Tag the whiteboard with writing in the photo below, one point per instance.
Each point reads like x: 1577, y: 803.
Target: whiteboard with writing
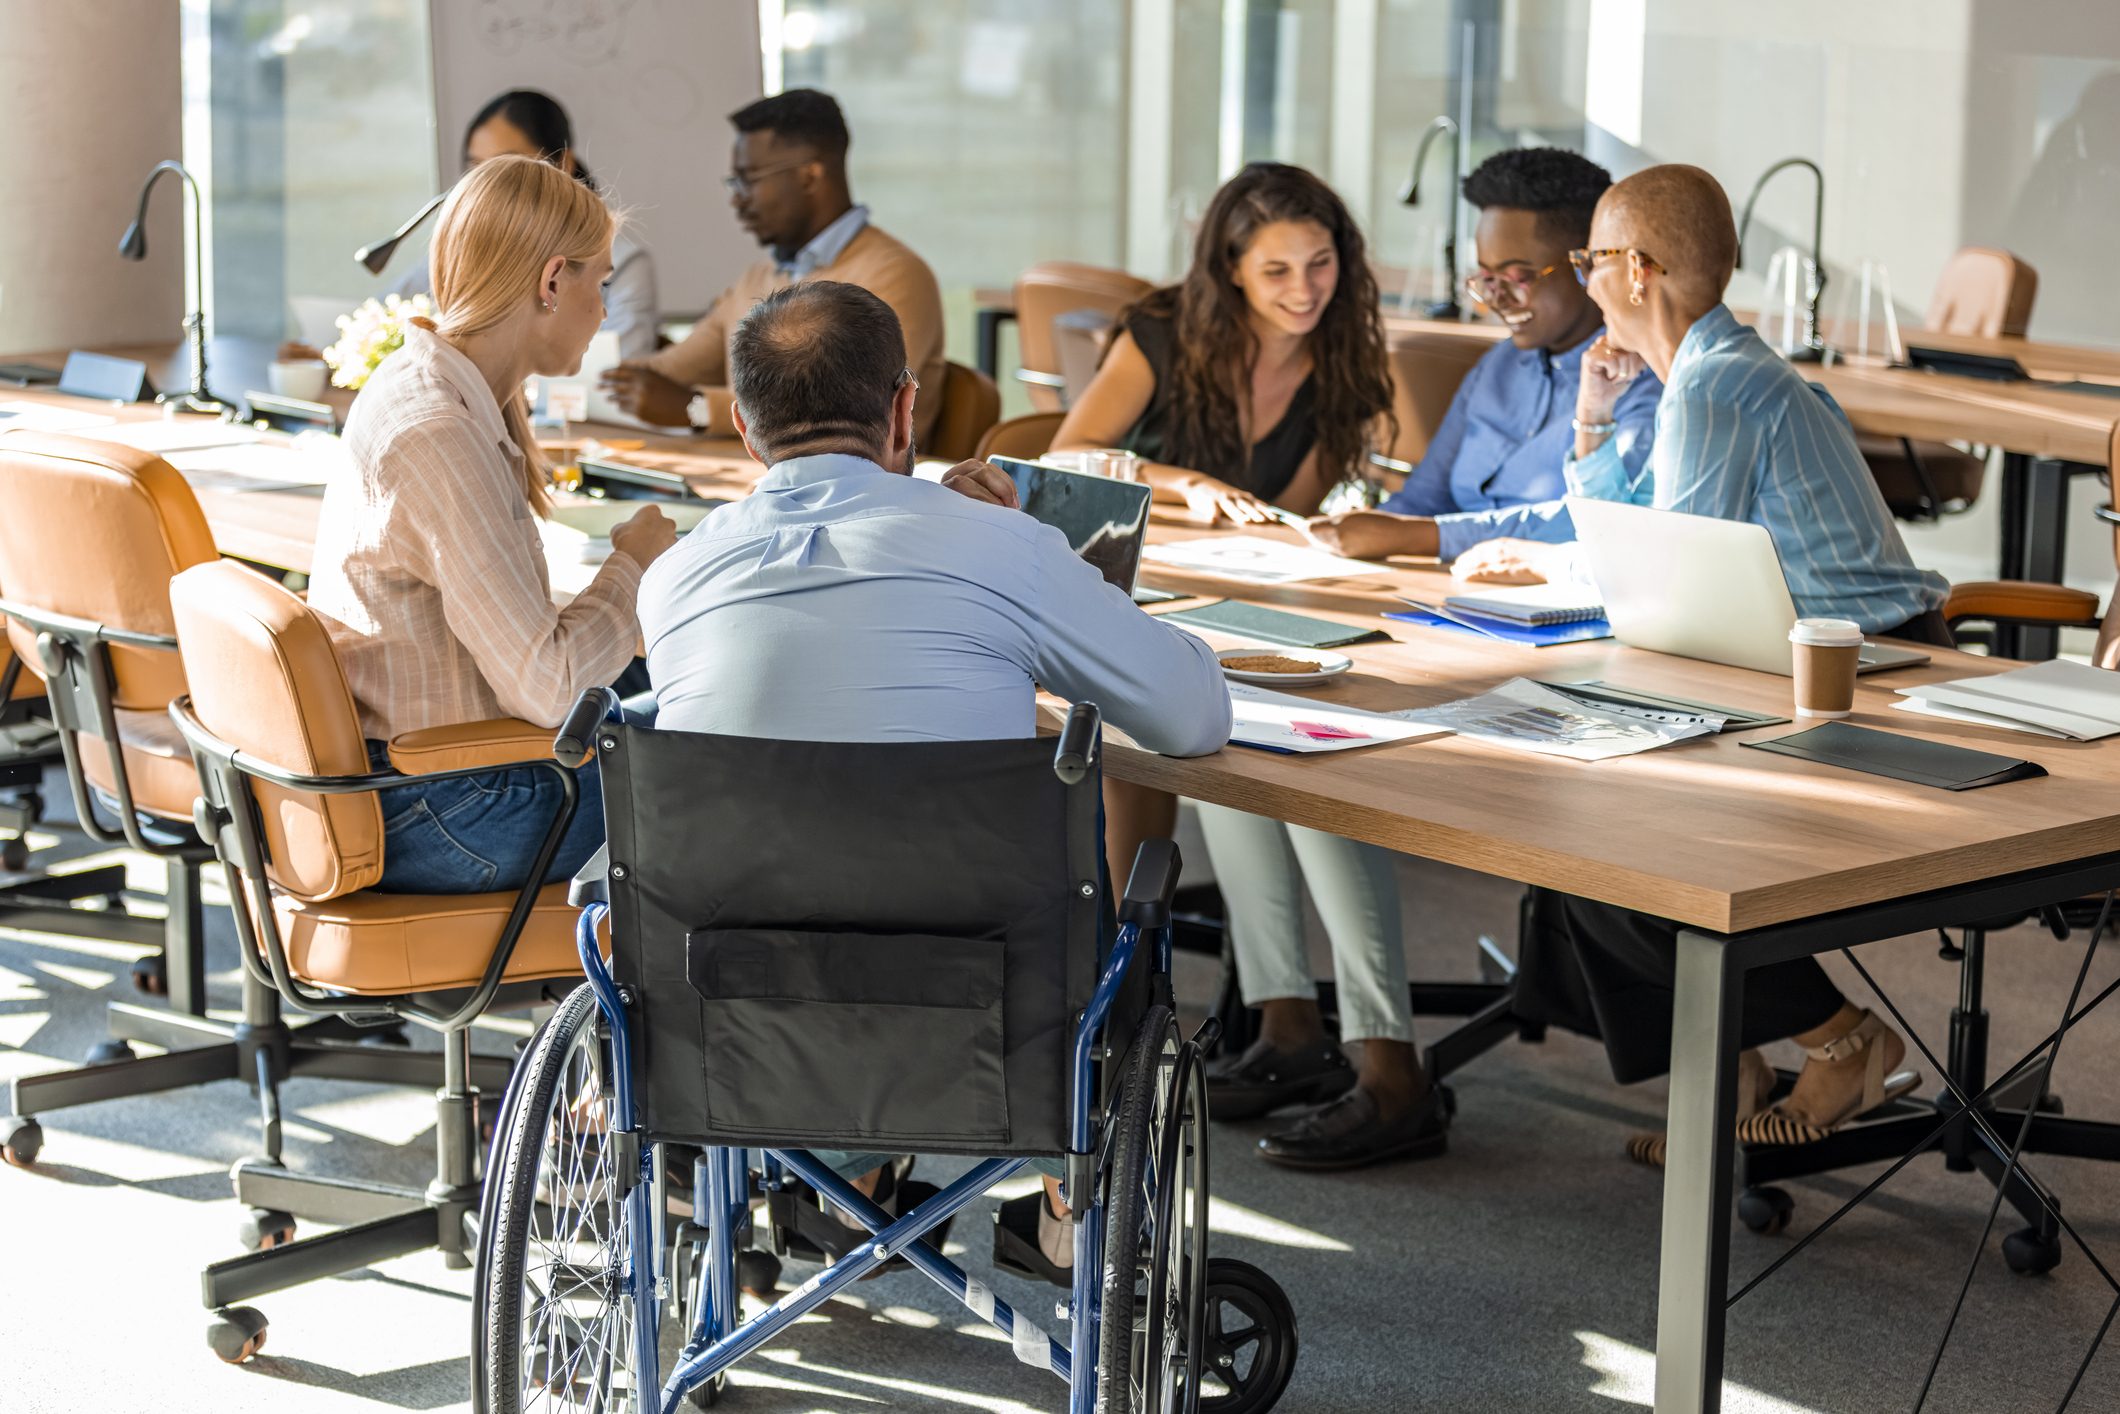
x: 649, y: 85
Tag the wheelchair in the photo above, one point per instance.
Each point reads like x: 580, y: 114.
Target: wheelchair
x: 959, y: 990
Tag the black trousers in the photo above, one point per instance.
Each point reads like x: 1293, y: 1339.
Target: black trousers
x: 1609, y: 973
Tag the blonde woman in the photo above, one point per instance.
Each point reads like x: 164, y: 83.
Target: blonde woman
x: 430, y: 573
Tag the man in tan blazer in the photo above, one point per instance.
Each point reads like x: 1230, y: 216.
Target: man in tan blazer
x: 788, y: 183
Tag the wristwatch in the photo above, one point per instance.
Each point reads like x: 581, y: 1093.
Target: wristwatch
x: 699, y: 412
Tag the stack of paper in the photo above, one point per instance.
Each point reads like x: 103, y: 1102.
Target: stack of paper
x: 2072, y: 701
x: 44, y: 417
x: 580, y: 531
x: 1277, y: 721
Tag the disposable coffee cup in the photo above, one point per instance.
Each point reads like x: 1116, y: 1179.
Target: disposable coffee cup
x: 1825, y: 653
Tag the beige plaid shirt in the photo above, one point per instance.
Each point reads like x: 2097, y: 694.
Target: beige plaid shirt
x: 430, y: 574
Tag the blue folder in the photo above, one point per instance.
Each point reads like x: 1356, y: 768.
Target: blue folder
x: 1509, y: 631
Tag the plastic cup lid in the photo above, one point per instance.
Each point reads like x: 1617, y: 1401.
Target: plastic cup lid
x: 1826, y: 633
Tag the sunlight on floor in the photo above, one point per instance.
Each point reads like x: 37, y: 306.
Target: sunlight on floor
x: 793, y: 1360
x: 1236, y: 1220
x: 1627, y: 1373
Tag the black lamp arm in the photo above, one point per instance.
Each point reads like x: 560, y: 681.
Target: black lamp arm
x: 1817, y: 288
x: 1411, y: 196
x: 134, y: 247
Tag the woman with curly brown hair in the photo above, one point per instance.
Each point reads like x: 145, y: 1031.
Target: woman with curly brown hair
x: 1257, y: 385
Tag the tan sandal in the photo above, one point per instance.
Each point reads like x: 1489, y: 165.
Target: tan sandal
x: 1755, y: 1086
x: 1776, y: 1127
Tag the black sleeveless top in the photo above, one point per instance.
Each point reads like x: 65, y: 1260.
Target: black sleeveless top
x: 1275, y: 458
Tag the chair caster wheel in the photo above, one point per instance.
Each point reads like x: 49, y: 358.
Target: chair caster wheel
x: 14, y: 855
x: 757, y: 1273
x: 236, y: 1333
x: 110, y: 1052
x: 20, y: 1141
x: 709, y: 1394
x: 2029, y: 1254
x: 151, y: 975
x: 263, y: 1229
x: 1765, y: 1210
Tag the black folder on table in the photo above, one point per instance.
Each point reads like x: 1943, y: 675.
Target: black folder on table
x: 1233, y: 616
x: 1903, y: 758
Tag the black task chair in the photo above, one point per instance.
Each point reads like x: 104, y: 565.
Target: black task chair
x: 1942, y: 1125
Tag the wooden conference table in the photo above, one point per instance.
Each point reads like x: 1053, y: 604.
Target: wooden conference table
x: 1760, y: 857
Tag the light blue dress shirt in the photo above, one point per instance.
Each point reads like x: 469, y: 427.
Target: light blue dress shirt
x: 1494, y: 468
x: 824, y: 247
x: 1741, y: 435
x: 842, y: 602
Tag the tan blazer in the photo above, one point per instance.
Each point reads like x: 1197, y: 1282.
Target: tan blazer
x: 874, y: 260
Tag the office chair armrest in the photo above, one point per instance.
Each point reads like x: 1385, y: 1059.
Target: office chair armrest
x: 2021, y: 602
x: 505, y: 741
x: 1152, y: 884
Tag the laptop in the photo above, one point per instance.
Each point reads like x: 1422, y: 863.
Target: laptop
x: 1105, y: 521
x: 1698, y: 587
x: 584, y: 390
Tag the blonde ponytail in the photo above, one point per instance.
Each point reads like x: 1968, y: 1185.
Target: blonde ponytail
x: 504, y: 221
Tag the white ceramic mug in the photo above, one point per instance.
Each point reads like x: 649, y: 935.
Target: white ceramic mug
x: 301, y: 378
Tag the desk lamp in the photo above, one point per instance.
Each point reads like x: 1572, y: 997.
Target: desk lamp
x: 1814, y: 347
x: 133, y: 246
x: 376, y: 256
x: 1446, y: 307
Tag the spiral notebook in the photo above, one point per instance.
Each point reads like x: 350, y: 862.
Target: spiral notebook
x: 1533, y: 604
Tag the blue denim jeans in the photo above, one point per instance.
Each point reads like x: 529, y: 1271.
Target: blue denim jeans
x: 479, y: 834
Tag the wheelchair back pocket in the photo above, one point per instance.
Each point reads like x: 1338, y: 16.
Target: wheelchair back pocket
x: 849, y: 1039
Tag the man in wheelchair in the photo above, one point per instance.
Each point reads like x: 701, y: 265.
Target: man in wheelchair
x: 857, y: 911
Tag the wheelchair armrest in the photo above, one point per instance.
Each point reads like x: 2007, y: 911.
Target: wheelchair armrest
x: 591, y: 884
x: 575, y: 741
x: 505, y: 741
x: 1152, y: 884
x: 1077, y: 751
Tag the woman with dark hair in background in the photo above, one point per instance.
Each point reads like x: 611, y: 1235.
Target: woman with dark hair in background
x: 525, y: 123
x: 1252, y: 389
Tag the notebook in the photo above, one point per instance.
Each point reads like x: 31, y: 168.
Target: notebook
x: 1270, y: 625
x: 1532, y: 604
x: 1903, y: 758
x: 1505, y: 630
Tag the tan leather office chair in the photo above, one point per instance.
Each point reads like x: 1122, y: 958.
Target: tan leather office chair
x: 1984, y: 293
x: 1426, y: 371
x: 1029, y: 436
x: 92, y: 535
x: 288, y: 803
x: 971, y: 404
x: 1048, y: 290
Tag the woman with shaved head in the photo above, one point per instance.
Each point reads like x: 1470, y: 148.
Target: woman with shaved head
x: 1739, y: 435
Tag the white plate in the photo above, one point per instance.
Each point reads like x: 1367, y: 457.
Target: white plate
x: 1329, y: 665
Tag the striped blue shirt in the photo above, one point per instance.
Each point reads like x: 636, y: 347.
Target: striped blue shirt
x: 1742, y: 436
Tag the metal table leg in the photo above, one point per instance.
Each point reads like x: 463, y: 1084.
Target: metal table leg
x: 2046, y: 489
x: 986, y: 326
x: 1695, y: 1273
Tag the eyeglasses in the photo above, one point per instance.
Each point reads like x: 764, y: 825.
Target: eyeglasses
x: 741, y: 183
x: 905, y: 376
x: 1585, y: 261
x: 1490, y: 287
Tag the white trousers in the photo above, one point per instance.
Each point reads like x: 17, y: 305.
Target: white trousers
x: 1261, y: 866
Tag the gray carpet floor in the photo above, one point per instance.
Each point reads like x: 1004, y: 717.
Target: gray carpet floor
x: 1518, y: 1273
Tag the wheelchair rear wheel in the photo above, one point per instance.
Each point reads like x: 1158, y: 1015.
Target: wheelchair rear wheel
x: 1155, y: 1227
x: 558, y: 1323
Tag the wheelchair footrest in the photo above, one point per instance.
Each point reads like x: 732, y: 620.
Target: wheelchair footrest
x: 1016, y: 1248
x: 803, y: 1227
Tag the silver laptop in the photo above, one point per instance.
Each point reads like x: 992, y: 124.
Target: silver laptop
x: 1698, y: 587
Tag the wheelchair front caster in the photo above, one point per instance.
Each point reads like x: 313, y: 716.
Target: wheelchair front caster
x: 2029, y: 1253
x: 708, y: 1395
x: 110, y: 1052
x: 150, y: 974
x: 1765, y: 1210
x: 1248, y: 1341
x: 21, y: 1140
x: 263, y: 1229
x: 236, y: 1333
x: 14, y: 855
